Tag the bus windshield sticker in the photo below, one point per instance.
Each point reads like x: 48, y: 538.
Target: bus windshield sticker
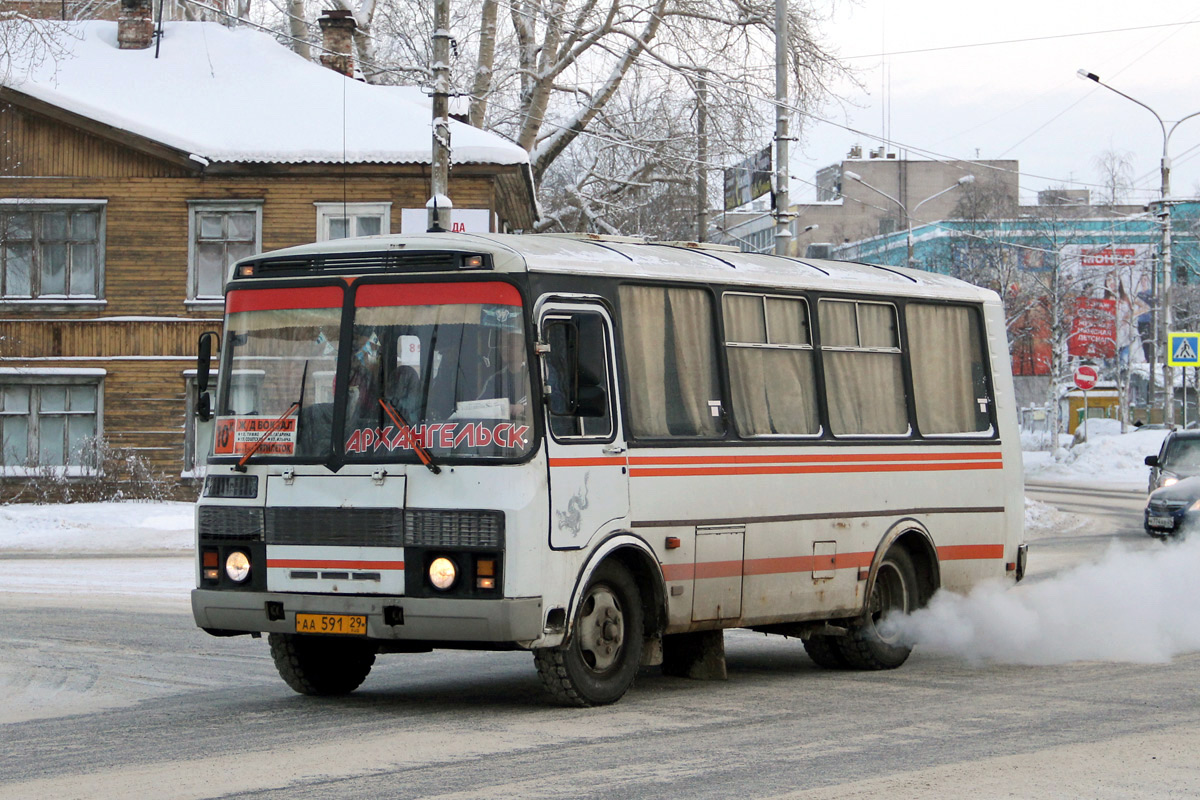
x: 447, y: 436
x: 236, y: 435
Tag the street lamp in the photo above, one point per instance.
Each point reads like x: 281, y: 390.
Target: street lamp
x: 1164, y: 301
x: 965, y: 179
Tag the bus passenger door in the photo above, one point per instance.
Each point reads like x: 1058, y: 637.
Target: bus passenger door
x: 589, y: 487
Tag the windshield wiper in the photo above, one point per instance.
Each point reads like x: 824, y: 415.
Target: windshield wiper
x: 293, y: 408
x: 412, y: 438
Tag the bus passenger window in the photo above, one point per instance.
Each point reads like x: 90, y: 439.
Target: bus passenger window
x: 864, y: 384
x: 671, y: 362
x: 577, y: 371
x: 771, y: 370
x: 947, y: 369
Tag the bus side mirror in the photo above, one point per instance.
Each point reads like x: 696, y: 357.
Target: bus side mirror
x: 1151, y: 461
x: 204, y: 351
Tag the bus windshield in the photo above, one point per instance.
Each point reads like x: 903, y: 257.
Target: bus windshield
x: 442, y: 364
x: 282, y: 348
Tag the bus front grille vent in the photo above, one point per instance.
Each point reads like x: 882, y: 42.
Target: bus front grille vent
x: 226, y: 523
x: 351, y: 527
x: 428, y: 528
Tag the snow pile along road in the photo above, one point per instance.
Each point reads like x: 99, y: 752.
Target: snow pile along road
x: 98, y: 529
x: 1119, y: 459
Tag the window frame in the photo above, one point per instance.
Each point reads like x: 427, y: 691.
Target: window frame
x: 39, y: 206
x: 894, y: 304
x: 818, y: 397
x: 197, y: 207
x: 35, y: 380
x: 556, y: 315
x: 327, y: 212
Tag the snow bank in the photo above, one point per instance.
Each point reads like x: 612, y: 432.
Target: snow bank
x: 1118, y: 459
x: 97, y: 528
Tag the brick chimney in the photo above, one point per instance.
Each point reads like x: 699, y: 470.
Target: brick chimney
x: 135, y: 28
x: 337, y: 37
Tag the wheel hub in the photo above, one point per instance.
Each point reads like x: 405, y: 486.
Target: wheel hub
x: 601, y: 629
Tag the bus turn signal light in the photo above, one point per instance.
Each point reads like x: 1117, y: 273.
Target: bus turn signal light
x: 672, y: 542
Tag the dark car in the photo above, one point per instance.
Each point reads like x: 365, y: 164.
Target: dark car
x: 1179, y: 457
x: 1172, y: 509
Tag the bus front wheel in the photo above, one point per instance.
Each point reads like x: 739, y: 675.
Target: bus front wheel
x: 600, y: 659
x: 321, y: 665
x: 869, y: 644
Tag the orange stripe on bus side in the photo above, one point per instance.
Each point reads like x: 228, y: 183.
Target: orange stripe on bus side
x: 667, y: 472
x: 962, y: 552
x: 797, y: 564
x: 711, y: 460
x: 304, y: 563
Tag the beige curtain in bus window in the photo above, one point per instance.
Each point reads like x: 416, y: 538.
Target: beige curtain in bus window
x: 790, y: 379
x: 864, y: 390
x: 745, y: 324
x: 945, y: 353
x: 643, y: 323
x: 838, y: 328
x: 695, y: 359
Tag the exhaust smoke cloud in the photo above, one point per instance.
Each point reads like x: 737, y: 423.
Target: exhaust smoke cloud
x: 1129, y: 607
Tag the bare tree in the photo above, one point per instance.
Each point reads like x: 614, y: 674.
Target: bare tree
x: 1115, y: 169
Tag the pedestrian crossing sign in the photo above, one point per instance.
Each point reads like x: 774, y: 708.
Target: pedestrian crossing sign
x: 1183, y: 349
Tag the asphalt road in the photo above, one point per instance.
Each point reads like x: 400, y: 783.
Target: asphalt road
x: 114, y: 699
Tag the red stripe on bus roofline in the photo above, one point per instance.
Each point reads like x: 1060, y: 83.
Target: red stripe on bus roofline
x: 282, y: 299
x: 436, y: 294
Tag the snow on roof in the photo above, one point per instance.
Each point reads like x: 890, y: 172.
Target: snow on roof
x: 235, y: 95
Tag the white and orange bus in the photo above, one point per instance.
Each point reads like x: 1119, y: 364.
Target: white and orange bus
x: 604, y: 451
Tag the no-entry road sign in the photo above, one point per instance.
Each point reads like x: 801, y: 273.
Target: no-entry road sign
x: 1086, y: 377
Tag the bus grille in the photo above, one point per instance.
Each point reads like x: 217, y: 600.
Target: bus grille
x: 356, y: 527
x: 426, y: 528
x: 222, y: 523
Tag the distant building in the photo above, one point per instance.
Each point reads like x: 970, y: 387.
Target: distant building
x: 134, y: 176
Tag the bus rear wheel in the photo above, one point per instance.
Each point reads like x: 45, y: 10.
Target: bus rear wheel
x: 321, y: 665
x: 825, y: 651
x: 867, y: 646
x: 598, y: 663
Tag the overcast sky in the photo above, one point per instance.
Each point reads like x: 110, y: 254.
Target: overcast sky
x: 1018, y: 98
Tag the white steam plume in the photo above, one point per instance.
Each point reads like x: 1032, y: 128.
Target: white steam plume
x: 1133, y: 607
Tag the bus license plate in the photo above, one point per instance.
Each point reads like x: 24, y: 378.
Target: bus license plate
x: 1162, y: 522
x: 331, y: 623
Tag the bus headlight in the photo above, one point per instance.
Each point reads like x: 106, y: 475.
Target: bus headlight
x: 442, y: 573
x: 237, y: 566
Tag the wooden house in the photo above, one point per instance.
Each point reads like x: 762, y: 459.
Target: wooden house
x: 133, y: 172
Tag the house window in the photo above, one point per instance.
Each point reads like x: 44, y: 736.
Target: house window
x: 350, y: 220
x: 220, y: 234
x: 52, y: 250
x: 51, y: 424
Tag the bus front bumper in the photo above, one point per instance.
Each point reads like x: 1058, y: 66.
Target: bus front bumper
x: 429, y: 619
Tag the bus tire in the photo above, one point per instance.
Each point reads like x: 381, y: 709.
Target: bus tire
x: 599, y: 661
x: 824, y: 651
x: 319, y: 665
x: 894, y: 591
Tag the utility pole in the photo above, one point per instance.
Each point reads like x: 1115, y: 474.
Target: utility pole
x: 439, y: 205
x: 702, y: 159
x: 783, y: 233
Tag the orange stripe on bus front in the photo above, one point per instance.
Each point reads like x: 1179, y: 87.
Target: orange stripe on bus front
x: 304, y: 563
